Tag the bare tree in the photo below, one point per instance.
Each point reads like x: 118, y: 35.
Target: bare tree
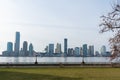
x: 111, y: 22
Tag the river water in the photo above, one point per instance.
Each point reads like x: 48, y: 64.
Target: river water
x: 46, y: 60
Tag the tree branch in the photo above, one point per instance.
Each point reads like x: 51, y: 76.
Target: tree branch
x: 115, y: 27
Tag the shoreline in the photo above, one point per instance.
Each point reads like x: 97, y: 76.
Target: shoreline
x: 59, y: 65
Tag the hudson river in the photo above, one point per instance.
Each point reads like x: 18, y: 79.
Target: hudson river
x: 46, y: 60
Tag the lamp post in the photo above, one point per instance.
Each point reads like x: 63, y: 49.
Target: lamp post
x: 83, y: 62
x: 36, y: 59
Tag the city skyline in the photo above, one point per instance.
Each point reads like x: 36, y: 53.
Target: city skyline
x: 42, y: 22
x: 51, y: 50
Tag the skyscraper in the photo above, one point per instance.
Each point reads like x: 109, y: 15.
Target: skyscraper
x: 85, y: 50
x: 17, y: 44
x: 30, y: 49
x: 25, y: 45
x: 91, y: 51
x: 70, y: 52
x: 65, y: 47
x: 77, y: 51
x: 81, y: 51
x: 58, y: 48
x: 9, y: 47
x: 51, y: 49
x: 103, y: 50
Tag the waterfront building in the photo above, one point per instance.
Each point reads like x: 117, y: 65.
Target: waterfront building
x: 17, y: 44
x: 9, y: 47
x: 85, y: 50
x: 77, y: 51
x: 58, y: 48
x: 51, y: 49
x: 91, y: 51
x: 9, y: 51
x: 31, y: 49
x: 81, y: 51
x: 103, y: 50
x: 25, y: 47
x: 21, y: 53
x: 65, y: 47
x: 5, y: 53
x: 70, y: 52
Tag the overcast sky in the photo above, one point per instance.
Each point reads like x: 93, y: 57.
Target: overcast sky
x: 50, y: 21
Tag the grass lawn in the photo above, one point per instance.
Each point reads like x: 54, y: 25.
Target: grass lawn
x: 59, y: 73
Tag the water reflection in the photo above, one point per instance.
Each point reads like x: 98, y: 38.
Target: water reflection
x: 45, y: 60
x: 16, y: 60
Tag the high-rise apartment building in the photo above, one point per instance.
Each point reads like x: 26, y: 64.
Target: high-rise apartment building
x: 9, y: 47
x: 65, y: 47
x: 25, y: 47
x: 85, y: 50
x: 70, y: 52
x: 51, y: 49
x: 17, y: 44
x: 77, y: 51
x: 103, y: 50
x: 58, y: 48
x: 31, y: 49
x: 91, y: 51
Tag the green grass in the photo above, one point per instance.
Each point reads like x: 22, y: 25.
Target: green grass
x: 59, y: 73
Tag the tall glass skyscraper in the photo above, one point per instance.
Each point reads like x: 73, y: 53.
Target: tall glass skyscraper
x: 10, y: 47
x: 65, y: 47
x: 103, y: 50
x: 31, y: 49
x: 17, y: 44
x: 25, y: 46
x: 91, y: 51
x: 51, y: 49
x: 77, y: 51
x: 85, y: 50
